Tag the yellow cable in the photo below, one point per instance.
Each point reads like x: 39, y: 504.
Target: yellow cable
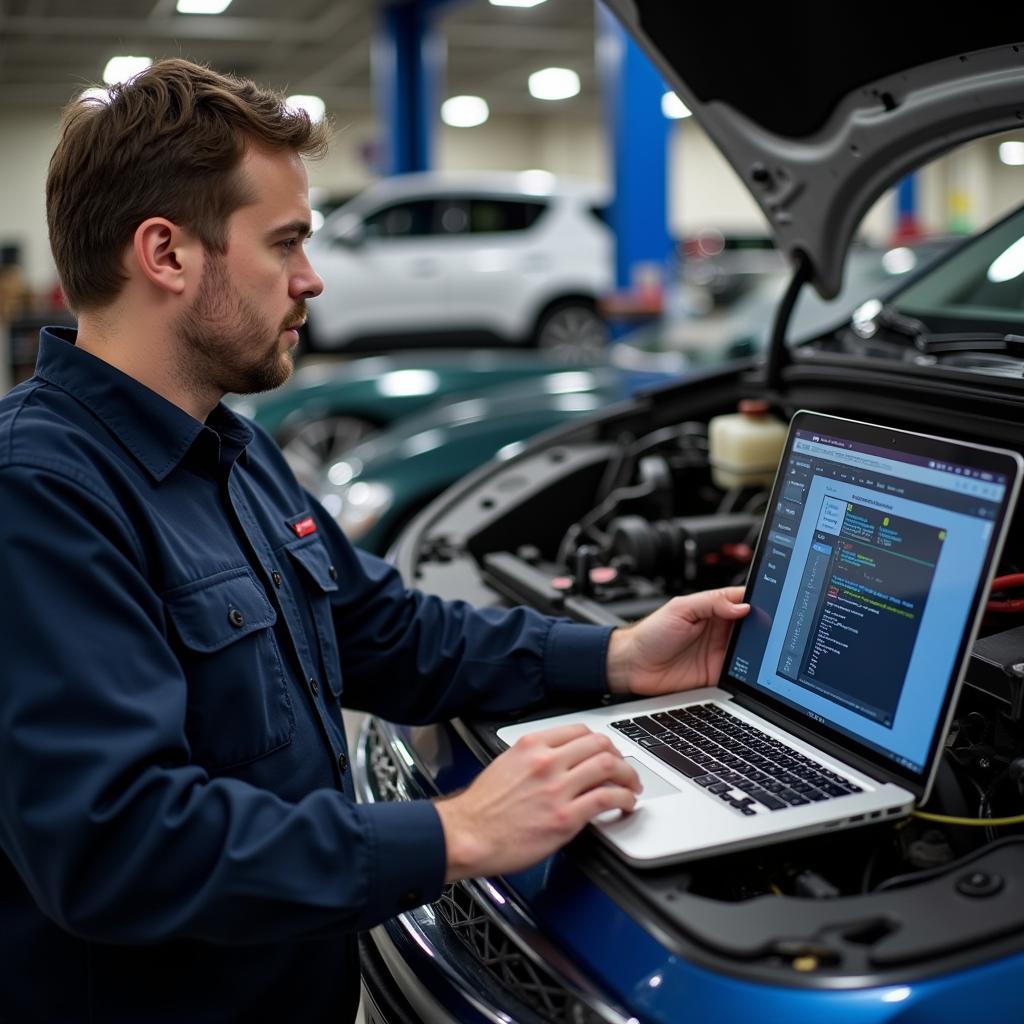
x: 946, y: 819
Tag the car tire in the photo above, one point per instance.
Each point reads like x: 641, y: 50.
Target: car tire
x: 311, y: 446
x: 572, y: 330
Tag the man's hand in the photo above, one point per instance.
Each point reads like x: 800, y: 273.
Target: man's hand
x: 532, y: 800
x: 678, y: 647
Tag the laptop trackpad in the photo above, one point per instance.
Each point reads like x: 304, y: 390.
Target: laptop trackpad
x: 654, y: 785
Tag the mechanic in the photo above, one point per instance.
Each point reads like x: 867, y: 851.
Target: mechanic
x: 181, y: 622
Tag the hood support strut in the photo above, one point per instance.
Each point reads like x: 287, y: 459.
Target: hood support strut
x: 778, y: 352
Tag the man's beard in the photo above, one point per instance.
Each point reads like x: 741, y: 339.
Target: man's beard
x: 228, y: 345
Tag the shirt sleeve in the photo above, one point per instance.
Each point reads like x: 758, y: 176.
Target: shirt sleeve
x: 118, y: 837
x: 413, y: 657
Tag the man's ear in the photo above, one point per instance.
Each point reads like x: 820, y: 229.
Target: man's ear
x: 166, y: 255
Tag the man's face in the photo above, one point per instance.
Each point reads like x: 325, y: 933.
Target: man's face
x: 239, y: 332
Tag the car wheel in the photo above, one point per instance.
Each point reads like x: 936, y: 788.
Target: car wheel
x: 573, y: 330
x: 313, y: 445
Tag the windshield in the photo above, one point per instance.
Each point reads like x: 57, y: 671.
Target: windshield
x: 980, y: 287
x: 745, y: 327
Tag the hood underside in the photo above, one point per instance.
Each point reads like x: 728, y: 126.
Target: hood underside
x: 820, y: 107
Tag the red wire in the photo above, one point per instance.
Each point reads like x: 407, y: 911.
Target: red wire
x: 1009, y: 605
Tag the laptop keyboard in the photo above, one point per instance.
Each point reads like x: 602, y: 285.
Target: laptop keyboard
x: 734, y: 761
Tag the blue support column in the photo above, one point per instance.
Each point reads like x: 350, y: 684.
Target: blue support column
x: 631, y: 90
x: 908, y: 226
x: 408, y: 60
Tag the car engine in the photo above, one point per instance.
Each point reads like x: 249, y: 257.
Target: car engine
x: 604, y: 523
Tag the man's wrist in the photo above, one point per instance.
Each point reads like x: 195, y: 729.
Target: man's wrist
x: 618, y: 671
x: 462, y: 850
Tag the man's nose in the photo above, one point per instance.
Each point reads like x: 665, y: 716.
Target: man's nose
x: 307, y: 283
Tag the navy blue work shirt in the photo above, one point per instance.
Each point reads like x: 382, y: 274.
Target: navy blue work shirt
x: 179, y: 624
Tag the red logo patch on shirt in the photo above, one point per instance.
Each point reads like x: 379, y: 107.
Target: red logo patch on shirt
x: 304, y: 527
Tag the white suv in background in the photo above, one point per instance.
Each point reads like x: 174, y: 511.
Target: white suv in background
x: 495, y: 258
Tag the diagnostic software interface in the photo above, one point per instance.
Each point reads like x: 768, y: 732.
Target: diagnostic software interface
x: 863, y: 588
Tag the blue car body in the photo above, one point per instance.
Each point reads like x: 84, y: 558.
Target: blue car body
x: 569, y: 947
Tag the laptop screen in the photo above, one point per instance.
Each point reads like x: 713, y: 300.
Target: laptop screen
x: 867, y: 577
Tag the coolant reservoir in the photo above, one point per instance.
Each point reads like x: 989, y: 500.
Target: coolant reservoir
x: 744, y: 447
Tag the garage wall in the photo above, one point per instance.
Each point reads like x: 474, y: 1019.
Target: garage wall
x: 569, y: 146
x: 707, y: 192
x: 28, y: 141
x: 344, y: 170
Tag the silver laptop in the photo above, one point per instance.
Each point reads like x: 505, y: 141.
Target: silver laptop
x: 867, y: 587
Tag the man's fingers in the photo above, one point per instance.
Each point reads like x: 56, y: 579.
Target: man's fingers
x: 557, y: 736
x: 603, y: 768
x: 604, y: 798
x: 565, y: 747
x: 724, y: 603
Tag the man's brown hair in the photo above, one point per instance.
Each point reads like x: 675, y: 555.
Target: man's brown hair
x: 167, y: 143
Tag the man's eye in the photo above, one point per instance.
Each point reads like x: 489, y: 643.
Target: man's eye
x: 290, y: 243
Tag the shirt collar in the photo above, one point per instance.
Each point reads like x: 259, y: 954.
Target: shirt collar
x: 157, y: 432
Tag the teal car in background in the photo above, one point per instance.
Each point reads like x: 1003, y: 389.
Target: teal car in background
x: 377, y: 486
x: 328, y: 406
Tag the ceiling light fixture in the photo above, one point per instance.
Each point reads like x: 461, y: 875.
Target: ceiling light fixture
x: 673, y: 107
x: 121, y: 69
x: 1012, y: 153
x: 516, y: 3
x: 203, y: 6
x: 554, y: 84
x: 465, y: 111
x: 312, y: 105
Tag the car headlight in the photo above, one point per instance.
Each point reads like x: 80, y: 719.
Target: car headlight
x: 357, y: 507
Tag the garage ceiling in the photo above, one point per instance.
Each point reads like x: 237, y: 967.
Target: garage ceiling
x: 51, y: 48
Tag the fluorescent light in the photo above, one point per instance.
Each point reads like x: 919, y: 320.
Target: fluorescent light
x: 554, y: 84
x: 312, y: 105
x: 1012, y: 153
x: 121, y: 69
x: 672, y: 106
x: 465, y: 111
x: 516, y: 3
x: 203, y: 6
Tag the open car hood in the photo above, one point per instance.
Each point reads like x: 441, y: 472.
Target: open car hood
x: 820, y: 108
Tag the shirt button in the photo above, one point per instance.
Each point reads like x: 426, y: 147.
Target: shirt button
x: 342, y: 763
x: 314, y: 687
x: 332, y: 572
x: 276, y: 577
x: 236, y: 618
x: 413, y: 898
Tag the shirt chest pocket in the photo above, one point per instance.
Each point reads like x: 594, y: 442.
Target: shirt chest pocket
x: 238, y: 704
x: 319, y: 580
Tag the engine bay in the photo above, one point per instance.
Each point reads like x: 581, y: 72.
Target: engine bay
x: 607, y: 522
